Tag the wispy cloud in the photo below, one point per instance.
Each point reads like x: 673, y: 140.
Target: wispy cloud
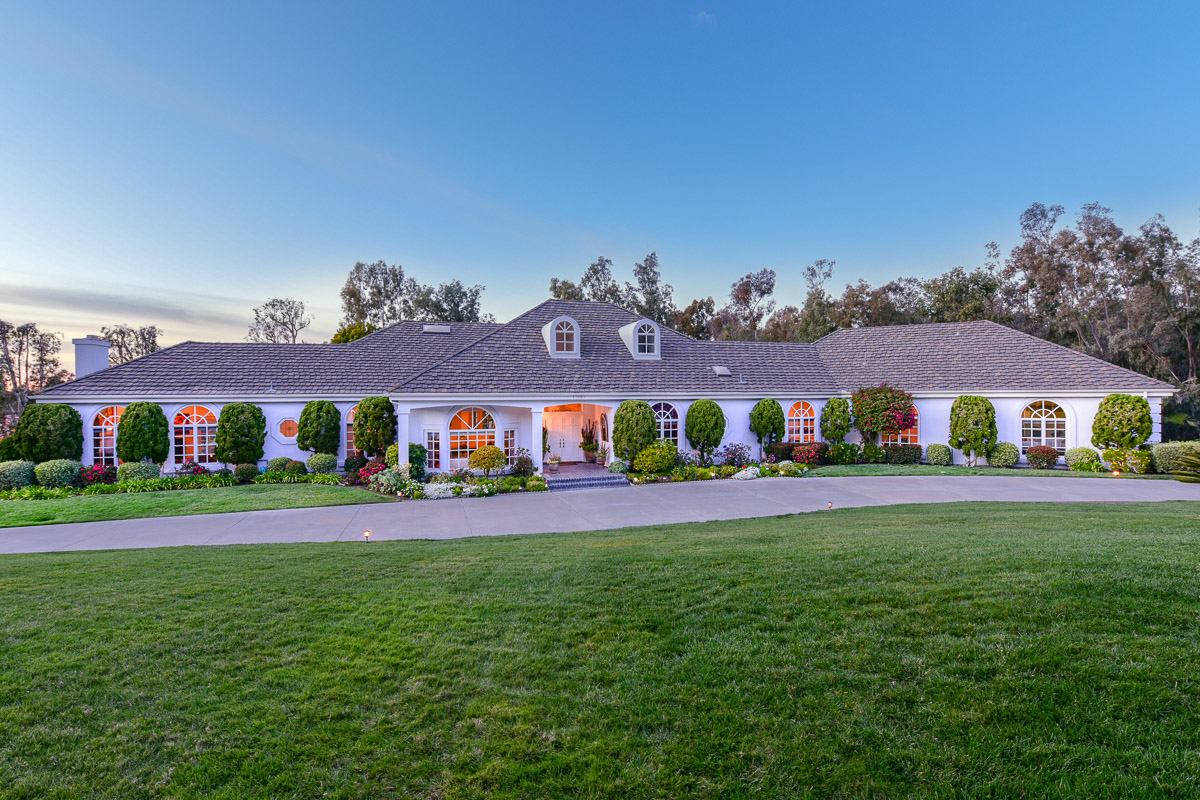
x: 704, y: 19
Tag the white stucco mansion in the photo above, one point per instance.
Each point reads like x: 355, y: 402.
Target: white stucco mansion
x: 457, y: 386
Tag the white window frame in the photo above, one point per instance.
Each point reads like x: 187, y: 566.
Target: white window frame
x: 666, y: 418
x: 104, y: 436
x: 904, y: 437
x: 1035, y: 425
x: 434, y: 452
x: 801, y: 427
x: 461, y: 462
x: 550, y: 333
x: 204, y: 435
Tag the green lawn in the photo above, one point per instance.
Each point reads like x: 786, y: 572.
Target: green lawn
x: 89, y: 508
x: 926, y: 469
x: 972, y: 650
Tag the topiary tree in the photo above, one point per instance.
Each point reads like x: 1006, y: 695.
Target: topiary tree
x: 835, y: 420
x: 320, y: 427
x: 49, y: 431
x: 973, y: 427
x: 417, y: 454
x: 633, y: 429
x: 1122, y: 421
x: 241, y: 432
x: 704, y: 428
x: 882, y: 410
x: 767, y: 422
x: 142, y: 434
x: 488, y: 458
x: 374, y: 425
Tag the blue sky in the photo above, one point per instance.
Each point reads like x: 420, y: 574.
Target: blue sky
x: 179, y: 163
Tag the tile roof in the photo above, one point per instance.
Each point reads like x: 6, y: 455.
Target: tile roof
x: 511, y: 358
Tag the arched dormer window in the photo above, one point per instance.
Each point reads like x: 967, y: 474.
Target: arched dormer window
x: 644, y: 340
x: 562, y: 337
x: 647, y: 339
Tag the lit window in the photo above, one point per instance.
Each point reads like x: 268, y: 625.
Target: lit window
x: 510, y: 446
x: 196, y: 435
x: 1043, y: 424
x: 351, y: 452
x: 646, y: 339
x: 667, y: 420
x: 433, y: 449
x: 802, y: 423
x: 104, y: 435
x: 906, y: 436
x: 470, y: 429
x: 288, y: 429
x: 564, y: 336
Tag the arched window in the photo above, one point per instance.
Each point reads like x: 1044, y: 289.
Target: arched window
x: 1044, y: 424
x: 667, y: 420
x: 104, y: 435
x: 802, y: 423
x: 647, y: 339
x: 351, y: 452
x: 604, y: 428
x: 196, y: 435
x: 906, y: 436
x: 470, y: 429
x: 565, y: 336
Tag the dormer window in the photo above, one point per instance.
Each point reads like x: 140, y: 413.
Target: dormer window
x: 644, y: 339
x: 647, y: 340
x: 562, y: 337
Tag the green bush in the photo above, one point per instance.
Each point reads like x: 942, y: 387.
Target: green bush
x: 903, y: 453
x: 1004, y: 454
x: 1164, y: 456
x: 1041, y: 457
x: 873, y: 454
x: 1128, y: 459
x: 658, y: 457
x: 633, y: 429
x: 245, y: 472
x: 767, y: 422
x: 973, y: 427
x: 416, y: 461
x: 241, y: 432
x: 939, y: 455
x: 319, y: 429
x: 536, y: 484
x: 392, y: 456
x: 374, y: 425
x: 321, y: 463
x: 835, y: 420
x: 17, y: 475
x: 278, y: 463
x: 50, y: 431
x: 618, y: 467
x: 137, y: 471
x: 58, y: 473
x: 295, y: 468
x: 1122, y: 422
x: 353, y: 464
x: 1081, y: 455
x: 9, y: 451
x: 143, y: 434
x: 488, y: 459
x: 1187, y: 467
x: 844, y: 453
x: 704, y: 428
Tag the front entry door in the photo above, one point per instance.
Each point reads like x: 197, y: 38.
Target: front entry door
x: 565, y: 436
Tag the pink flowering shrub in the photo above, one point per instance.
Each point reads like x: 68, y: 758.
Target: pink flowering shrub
x: 97, y: 474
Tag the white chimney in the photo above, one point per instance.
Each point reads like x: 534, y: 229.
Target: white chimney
x: 91, y: 355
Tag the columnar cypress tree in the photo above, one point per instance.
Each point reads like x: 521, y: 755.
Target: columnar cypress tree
x: 704, y: 427
x: 973, y: 427
x: 320, y: 427
x: 375, y: 425
x: 241, y: 432
x: 633, y: 429
x: 767, y: 422
x: 142, y: 434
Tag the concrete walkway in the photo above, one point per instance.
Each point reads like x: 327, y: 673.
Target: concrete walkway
x: 583, y: 510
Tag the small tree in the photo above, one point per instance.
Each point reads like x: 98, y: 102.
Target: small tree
x: 1122, y: 421
x: 374, y: 425
x: 835, y: 420
x: 973, y: 427
x: 704, y: 427
x: 142, y: 434
x: 320, y: 427
x: 49, y: 431
x: 767, y: 422
x: 241, y: 431
x: 882, y: 410
x: 488, y: 458
x: 351, y: 331
x: 633, y: 429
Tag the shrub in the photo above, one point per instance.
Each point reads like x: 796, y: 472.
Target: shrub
x: 1164, y: 456
x: 536, y: 484
x: 9, y: 451
x: 1004, y: 454
x: 780, y: 451
x: 353, y: 464
x: 767, y: 422
x: 973, y: 427
x: 939, y: 455
x: 374, y: 425
x: 245, y: 472
x: 417, y: 455
x: 903, y: 453
x: 1127, y: 459
x: 810, y: 454
x: 844, y: 453
x: 658, y: 458
x: 364, y: 474
x: 735, y: 454
x: 882, y: 410
x: 633, y: 429
x: 16, y: 475
x: 319, y: 429
x: 618, y: 467
x: 1122, y: 421
x: 392, y: 456
x: 98, y: 475
x: 1081, y: 455
x: 277, y: 464
x: 351, y: 331
x: 50, y: 431
x: 1089, y: 466
x: 522, y: 466
x: 191, y: 468
x: 58, y: 473
x: 704, y: 428
x: 1041, y: 457
x: 241, y: 431
x: 1187, y: 467
x: 137, y: 471
x: 873, y: 454
x: 489, y: 459
x: 321, y: 463
x: 835, y: 420
x: 295, y: 468
x: 142, y: 434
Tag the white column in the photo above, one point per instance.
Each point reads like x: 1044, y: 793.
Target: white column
x: 402, y: 434
x: 535, y: 417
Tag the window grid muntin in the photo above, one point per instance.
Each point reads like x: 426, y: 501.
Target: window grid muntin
x: 646, y: 339
x: 802, y: 423
x: 195, y: 435
x: 564, y: 337
x: 510, y: 445
x: 666, y: 419
x: 470, y: 429
x: 351, y: 451
x: 908, y: 435
x: 104, y: 435
x: 1044, y: 424
x: 433, y: 449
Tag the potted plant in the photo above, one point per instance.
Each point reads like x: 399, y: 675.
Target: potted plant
x: 587, y: 436
x: 602, y: 456
x: 552, y: 463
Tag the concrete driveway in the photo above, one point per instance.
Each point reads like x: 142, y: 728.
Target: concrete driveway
x: 584, y: 510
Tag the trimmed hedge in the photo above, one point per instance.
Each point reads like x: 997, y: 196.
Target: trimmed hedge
x: 9, y: 451
x: 49, y: 432
x: 1128, y: 459
x: 320, y: 463
x: 1164, y: 456
x: 939, y: 455
x: 353, y: 464
x: 973, y: 427
x: 835, y: 420
x: 58, y: 473
x: 704, y: 428
x: 143, y: 434
x: 16, y: 474
x: 245, y: 472
x: 487, y: 459
x: 844, y: 453
x: 295, y: 468
x: 1122, y: 421
x: 417, y: 455
x: 1081, y: 455
x: 138, y: 471
x: 279, y: 462
x: 633, y: 429
x: 1041, y: 457
x: 320, y: 427
x: 767, y: 422
x: 241, y: 432
x: 902, y: 453
x: 374, y: 425
x: 1004, y: 454
x: 782, y: 451
x: 658, y: 457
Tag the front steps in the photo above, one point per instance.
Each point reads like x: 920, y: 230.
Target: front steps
x: 592, y: 480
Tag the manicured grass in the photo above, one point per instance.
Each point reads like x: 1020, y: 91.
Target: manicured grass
x: 972, y: 650
x: 90, y: 508
x: 926, y: 469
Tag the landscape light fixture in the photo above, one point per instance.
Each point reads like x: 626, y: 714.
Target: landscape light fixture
x: 1116, y: 473
x: 366, y: 536
x: 831, y: 505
